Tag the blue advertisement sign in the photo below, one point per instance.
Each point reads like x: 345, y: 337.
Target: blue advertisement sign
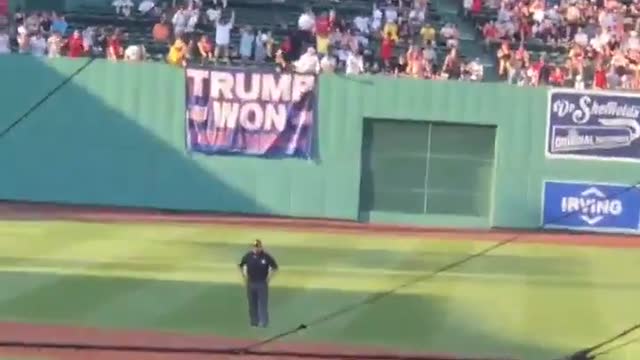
x: 592, y: 125
x: 593, y: 207
x: 250, y: 112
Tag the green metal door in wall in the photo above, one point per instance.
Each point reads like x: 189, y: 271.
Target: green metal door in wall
x: 427, y: 168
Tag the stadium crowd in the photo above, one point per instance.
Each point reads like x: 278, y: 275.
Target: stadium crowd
x: 597, y: 39
x: 397, y: 38
x: 594, y: 43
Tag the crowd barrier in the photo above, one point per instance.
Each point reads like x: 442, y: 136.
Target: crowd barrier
x: 378, y: 149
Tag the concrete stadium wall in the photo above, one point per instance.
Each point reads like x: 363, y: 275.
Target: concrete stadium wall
x: 114, y: 135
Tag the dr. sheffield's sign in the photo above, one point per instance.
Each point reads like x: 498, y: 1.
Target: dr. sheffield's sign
x: 591, y: 125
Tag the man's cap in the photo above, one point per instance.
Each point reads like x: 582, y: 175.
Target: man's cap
x: 257, y: 243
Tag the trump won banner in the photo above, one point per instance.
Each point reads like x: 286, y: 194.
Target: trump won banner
x: 591, y: 125
x: 246, y: 112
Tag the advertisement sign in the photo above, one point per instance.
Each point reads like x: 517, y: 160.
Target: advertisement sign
x: 592, y: 125
x: 593, y: 207
x: 250, y: 112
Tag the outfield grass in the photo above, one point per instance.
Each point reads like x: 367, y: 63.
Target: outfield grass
x: 531, y: 301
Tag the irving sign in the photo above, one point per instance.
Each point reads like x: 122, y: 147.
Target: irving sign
x: 593, y: 207
x: 592, y: 125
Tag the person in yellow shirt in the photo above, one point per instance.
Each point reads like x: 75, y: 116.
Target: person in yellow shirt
x: 391, y: 29
x: 177, y: 53
x: 322, y: 45
x: 428, y: 34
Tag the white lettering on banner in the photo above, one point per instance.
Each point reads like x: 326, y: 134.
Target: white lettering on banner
x: 253, y: 101
x: 587, y: 107
x: 251, y: 116
x: 592, y: 204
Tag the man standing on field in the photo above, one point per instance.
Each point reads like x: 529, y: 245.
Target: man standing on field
x: 258, y: 267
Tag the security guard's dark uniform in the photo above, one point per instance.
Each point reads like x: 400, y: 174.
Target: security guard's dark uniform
x: 258, y: 263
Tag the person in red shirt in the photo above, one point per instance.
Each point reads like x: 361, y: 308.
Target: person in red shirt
x: 600, y: 78
x: 114, y: 47
x: 75, y: 45
x: 557, y: 77
x: 323, y: 25
x: 386, y: 50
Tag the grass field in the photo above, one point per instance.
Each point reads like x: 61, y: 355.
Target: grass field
x: 525, y: 300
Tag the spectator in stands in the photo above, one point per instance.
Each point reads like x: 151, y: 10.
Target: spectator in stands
x: 5, y: 46
x: 135, y: 53
x: 247, y: 40
x: 474, y: 71
x: 38, y: 44
x: 179, y: 21
x: 88, y: 40
x: 123, y: 7
x: 193, y: 18
x: 114, y: 47
x: 205, y: 48
x: 450, y: 34
x: 354, y: 63
x: 75, y: 45
x: 308, y: 62
x: 451, y: 67
x: 148, y: 7
x: 178, y: 52
x: 54, y: 45
x: 45, y: 24
x: 386, y: 50
x: 161, y: 30
x: 427, y: 34
x: 306, y: 24
x: 59, y: 24
x: 223, y: 37
x: 23, y: 41
x: 260, y: 48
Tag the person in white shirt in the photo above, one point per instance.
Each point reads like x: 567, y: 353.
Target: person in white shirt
x: 307, y: 21
x: 54, y: 45
x: 327, y: 64
x: 223, y: 37
x: 193, y: 16
x: 23, y: 43
x: 123, y: 7
x: 362, y: 24
x: 38, y: 45
x: 391, y: 14
x: 179, y: 21
x: 88, y: 36
x: 633, y: 42
x: 476, y: 70
x: 4, y: 43
x: 135, y: 53
x: 354, y: 64
x: 466, y: 4
x: 214, y: 14
x: 146, y: 6
x: 308, y: 62
x: 581, y: 38
x: 376, y: 18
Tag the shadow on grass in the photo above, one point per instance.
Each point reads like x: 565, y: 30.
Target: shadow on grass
x: 400, y: 322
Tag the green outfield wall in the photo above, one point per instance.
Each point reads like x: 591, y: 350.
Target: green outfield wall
x: 388, y: 150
